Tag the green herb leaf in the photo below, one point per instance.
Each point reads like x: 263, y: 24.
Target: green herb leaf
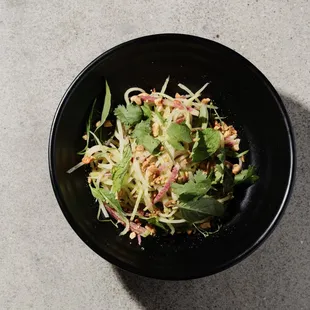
x: 178, y: 133
x: 108, y: 197
x: 130, y: 115
x: 234, y: 154
x: 228, y: 181
x: 88, y: 128
x: 219, y: 173
x: 106, y: 106
x: 119, y: 171
x: 147, y: 112
x: 199, y: 185
x: 247, y: 175
x: 198, y: 210
x: 142, y: 133
x: 154, y: 221
x: 208, y: 142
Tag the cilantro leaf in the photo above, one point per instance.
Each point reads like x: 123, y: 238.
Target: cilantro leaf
x: 207, y: 143
x: 198, y: 210
x: 199, y: 185
x: 130, y: 115
x: 119, y: 171
x: 178, y: 133
x: 247, y: 175
x: 142, y: 133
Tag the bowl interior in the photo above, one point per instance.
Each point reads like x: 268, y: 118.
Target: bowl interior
x: 243, y: 95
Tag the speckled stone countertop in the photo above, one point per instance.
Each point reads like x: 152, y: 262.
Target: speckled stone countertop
x: 44, y: 45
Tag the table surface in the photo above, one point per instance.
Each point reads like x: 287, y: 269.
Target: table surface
x: 44, y: 45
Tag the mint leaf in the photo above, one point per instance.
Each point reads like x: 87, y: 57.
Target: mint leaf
x: 208, y: 142
x: 198, y: 210
x: 247, y: 175
x: 130, y: 115
x: 178, y: 133
x: 108, y: 197
x: 119, y: 171
x: 199, y: 185
x: 142, y: 133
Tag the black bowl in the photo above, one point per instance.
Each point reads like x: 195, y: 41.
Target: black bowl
x: 243, y: 94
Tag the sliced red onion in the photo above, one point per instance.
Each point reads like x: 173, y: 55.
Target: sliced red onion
x: 163, y: 191
x: 133, y: 226
x: 139, y: 239
x: 177, y: 104
x: 148, y: 98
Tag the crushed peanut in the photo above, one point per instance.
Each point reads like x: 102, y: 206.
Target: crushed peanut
x: 86, y: 160
x: 155, y: 129
x: 139, y: 148
x: 136, y: 99
x: 236, y: 169
x: 205, y: 100
x: 132, y: 235
x: 107, y: 124
x: 205, y: 225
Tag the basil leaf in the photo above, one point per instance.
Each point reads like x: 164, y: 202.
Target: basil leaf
x: 198, y: 210
x: 207, y: 143
x: 119, y: 171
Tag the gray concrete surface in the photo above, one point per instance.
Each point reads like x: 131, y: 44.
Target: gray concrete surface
x: 43, y: 46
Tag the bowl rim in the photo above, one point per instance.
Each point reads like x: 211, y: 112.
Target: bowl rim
x: 114, y: 260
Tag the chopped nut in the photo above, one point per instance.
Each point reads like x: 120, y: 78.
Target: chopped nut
x: 150, y: 229
x: 85, y: 137
x: 136, y: 99
x: 236, y: 169
x: 177, y: 95
x: 147, y: 162
x: 189, y: 231
x: 159, y: 180
x: 98, y: 124
x: 107, y: 124
x: 132, y: 235
x: 170, y: 203
x: 155, y: 129
x: 205, y: 225
x: 205, y: 100
x: 162, y: 148
x: 184, y: 163
x: 140, y: 148
x: 143, y: 94
x: 158, y: 101
x: 236, y: 145
x: 86, y: 160
x: 89, y: 180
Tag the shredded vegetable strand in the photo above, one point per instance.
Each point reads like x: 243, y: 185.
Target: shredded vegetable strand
x: 170, y: 165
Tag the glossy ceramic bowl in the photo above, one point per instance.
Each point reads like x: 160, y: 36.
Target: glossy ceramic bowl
x: 243, y: 94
